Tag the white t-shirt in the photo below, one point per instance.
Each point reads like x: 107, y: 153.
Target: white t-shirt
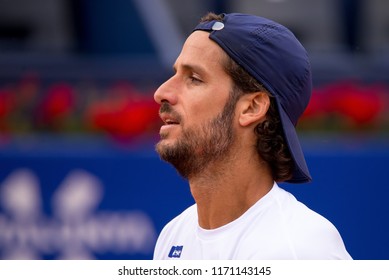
x: 276, y: 227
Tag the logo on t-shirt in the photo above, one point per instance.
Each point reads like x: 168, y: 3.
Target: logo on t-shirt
x: 175, y: 251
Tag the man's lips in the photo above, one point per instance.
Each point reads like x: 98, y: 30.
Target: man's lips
x: 170, y: 121
x: 168, y: 116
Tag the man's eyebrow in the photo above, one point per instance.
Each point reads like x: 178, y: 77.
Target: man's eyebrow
x: 190, y: 67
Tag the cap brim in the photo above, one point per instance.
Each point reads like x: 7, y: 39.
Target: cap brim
x: 301, y: 173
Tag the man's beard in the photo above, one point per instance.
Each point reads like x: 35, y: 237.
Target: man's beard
x: 198, y: 147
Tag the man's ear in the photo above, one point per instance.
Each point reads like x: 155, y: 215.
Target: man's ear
x: 253, y: 108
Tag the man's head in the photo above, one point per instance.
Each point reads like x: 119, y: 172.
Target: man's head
x: 262, y: 57
x: 198, y: 129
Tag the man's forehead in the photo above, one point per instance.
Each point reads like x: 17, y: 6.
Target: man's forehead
x: 198, y: 50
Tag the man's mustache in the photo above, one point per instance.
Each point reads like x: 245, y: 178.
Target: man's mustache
x: 167, y: 108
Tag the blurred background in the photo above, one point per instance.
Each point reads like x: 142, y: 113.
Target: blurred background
x: 79, y: 177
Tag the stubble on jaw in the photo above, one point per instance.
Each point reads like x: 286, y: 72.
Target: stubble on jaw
x: 200, y: 146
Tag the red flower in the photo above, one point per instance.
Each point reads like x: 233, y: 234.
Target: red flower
x: 318, y: 105
x: 351, y: 101
x: 359, y: 103
x: 57, y: 104
x: 124, y: 114
x: 6, y: 102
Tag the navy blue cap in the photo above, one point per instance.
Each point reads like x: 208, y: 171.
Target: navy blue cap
x: 271, y: 54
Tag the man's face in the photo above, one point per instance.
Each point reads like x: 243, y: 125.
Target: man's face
x: 196, y: 108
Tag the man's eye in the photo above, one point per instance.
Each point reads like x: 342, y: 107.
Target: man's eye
x: 194, y: 79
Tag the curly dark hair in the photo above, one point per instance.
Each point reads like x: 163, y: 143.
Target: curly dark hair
x: 271, y: 144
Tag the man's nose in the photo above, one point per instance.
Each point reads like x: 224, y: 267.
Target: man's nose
x: 167, y: 92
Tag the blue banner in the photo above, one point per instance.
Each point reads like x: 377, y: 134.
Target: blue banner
x: 62, y: 200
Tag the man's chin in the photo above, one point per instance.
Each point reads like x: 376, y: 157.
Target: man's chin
x: 163, y: 147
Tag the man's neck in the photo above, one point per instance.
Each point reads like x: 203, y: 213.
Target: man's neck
x: 226, y: 190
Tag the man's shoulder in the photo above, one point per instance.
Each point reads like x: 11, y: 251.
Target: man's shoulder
x: 298, y: 217
x: 311, y: 235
